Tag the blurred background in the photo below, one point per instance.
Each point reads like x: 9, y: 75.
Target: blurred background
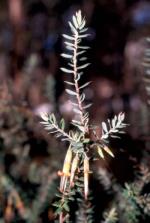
x: 31, y: 82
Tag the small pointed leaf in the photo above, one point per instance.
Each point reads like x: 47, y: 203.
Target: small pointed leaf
x: 104, y: 126
x: 66, y: 55
x: 70, y: 92
x: 65, y: 70
x: 68, y: 37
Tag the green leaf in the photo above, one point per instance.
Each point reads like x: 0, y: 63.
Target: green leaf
x: 66, y: 207
x: 52, y: 118
x: 62, y: 123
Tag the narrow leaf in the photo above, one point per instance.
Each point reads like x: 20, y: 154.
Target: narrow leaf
x: 83, y: 30
x: 66, y: 55
x: 77, y: 111
x: 81, y: 52
x: 79, y: 17
x: 75, y: 121
x: 82, y: 97
x: 62, y: 124
x: 87, y: 106
x: 68, y: 37
x: 83, y: 66
x: 72, y: 28
x: 84, y: 47
x: 70, y: 92
x: 85, y: 85
x: 84, y: 35
x: 70, y: 48
x: 104, y: 126
x: 69, y: 44
x: 83, y: 58
x: 75, y: 21
x: 68, y: 82
x: 66, y: 70
x: 82, y: 25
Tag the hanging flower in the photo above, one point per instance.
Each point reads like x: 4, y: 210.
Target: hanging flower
x: 107, y: 150
x: 86, y: 176
x: 100, y: 152
x: 65, y: 174
x: 73, y: 169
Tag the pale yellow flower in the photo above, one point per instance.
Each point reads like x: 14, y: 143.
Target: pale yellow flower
x: 86, y: 177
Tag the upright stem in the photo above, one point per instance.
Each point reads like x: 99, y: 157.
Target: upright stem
x: 61, y: 218
x: 75, y: 72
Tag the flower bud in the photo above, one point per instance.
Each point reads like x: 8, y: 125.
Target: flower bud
x: 67, y: 163
x: 100, y: 152
x: 108, y: 151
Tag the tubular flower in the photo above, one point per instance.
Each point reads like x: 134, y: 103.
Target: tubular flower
x: 100, y: 152
x: 66, y: 170
x: 108, y: 151
x: 20, y: 206
x: 73, y: 169
x: 86, y: 176
x: 9, y: 213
